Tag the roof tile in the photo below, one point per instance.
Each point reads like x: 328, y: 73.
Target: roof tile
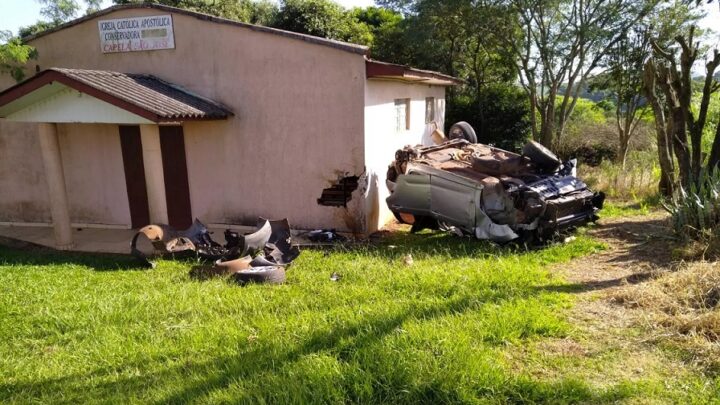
x: 166, y: 100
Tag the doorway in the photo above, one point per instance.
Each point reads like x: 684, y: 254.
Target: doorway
x: 177, y: 190
x: 132, y: 156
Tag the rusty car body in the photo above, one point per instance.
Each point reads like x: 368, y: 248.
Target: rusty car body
x: 488, y: 192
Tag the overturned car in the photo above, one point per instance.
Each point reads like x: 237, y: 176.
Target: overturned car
x: 488, y: 192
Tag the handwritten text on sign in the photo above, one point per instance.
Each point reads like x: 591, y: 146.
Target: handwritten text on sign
x: 136, y: 34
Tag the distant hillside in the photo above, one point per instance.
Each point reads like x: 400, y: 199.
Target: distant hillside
x: 596, y: 96
x: 599, y: 95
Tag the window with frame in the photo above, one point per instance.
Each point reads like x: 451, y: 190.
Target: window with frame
x: 429, y: 110
x: 402, y: 114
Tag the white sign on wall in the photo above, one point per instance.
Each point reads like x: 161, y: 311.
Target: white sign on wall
x: 136, y: 34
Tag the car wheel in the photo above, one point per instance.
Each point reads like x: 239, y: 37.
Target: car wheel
x: 264, y: 274
x: 541, y: 155
x: 463, y: 130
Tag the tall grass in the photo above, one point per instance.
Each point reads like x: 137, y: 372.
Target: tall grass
x: 636, y: 181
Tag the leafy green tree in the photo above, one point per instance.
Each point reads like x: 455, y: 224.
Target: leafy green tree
x: 14, y: 55
x: 466, y: 39
x: 386, y: 28
x: 322, y: 18
x: 459, y: 37
x: 260, y: 12
x: 499, y: 114
x: 57, y: 12
x: 562, y: 43
x: 36, y: 28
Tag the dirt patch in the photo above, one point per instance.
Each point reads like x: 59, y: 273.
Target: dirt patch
x: 634, y: 302
x: 609, y: 343
x: 638, y: 249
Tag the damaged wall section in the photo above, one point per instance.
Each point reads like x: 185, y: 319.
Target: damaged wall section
x: 339, y: 193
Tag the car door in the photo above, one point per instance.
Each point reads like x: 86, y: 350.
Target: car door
x: 453, y: 201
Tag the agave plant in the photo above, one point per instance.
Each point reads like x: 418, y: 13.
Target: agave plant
x: 696, y: 211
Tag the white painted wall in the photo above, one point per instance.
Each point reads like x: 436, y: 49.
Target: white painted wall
x: 69, y: 105
x: 382, y: 140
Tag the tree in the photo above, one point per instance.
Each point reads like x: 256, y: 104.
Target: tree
x: 58, y: 12
x: 624, y: 64
x: 386, y: 27
x: 322, y: 18
x: 622, y: 78
x: 562, y: 43
x: 254, y: 12
x: 667, y: 23
x: 463, y: 38
x: 669, y: 86
x: 466, y: 39
x: 13, y: 55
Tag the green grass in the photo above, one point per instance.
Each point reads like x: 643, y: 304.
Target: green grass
x: 82, y: 328
x: 632, y: 207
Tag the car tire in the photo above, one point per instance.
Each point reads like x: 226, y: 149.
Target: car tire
x: 541, y: 155
x: 260, y: 275
x: 463, y: 130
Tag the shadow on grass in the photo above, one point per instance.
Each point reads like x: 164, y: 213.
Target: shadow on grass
x: 428, y: 243
x: 261, y: 364
x: 639, y: 240
x: 596, y: 285
x: 51, y: 257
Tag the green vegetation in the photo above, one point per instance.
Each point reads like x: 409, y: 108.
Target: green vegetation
x: 82, y: 328
x: 618, y: 209
x: 13, y: 55
x: 696, y: 211
x: 639, y: 178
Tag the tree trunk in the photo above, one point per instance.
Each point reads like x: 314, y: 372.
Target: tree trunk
x: 533, y: 115
x: 715, y: 151
x: 669, y: 82
x: 624, y: 128
x: 547, y: 127
x: 678, y: 135
x: 667, y: 168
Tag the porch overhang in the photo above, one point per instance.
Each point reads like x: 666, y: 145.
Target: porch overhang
x: 390, y: 71
x: 96, y: 96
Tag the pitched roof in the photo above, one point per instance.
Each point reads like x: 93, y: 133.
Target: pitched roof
x: 344, y: 46
x: 143, y: 95
x: 384, y: 70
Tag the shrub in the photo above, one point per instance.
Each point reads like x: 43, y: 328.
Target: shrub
x: 500, y: 115
x: 696, y: 212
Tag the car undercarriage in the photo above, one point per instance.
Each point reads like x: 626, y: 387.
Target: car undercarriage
x: 489, y: 192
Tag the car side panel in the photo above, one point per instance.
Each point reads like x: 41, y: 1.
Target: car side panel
x: 411, y: 195
x: 453, y: 202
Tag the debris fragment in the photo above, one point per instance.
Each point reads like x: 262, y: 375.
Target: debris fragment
x: 325, y: 236
x: 260, y: 256
x: 408, y: 260
x: 264, y: 274
x: 335, y: 277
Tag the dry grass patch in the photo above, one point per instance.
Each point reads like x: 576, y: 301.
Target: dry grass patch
x: 683, y: 308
